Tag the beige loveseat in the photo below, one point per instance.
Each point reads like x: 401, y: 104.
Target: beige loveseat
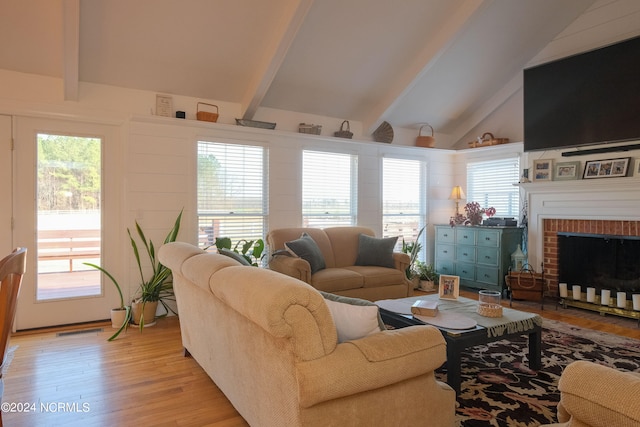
x: 270, y: 344
x: 340, y: 249
x: 592, y: 395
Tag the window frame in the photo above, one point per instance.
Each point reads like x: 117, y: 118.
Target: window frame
x: 423, y: 204
x: 316, y: 220
x: 495, y: 187
x: 206, y: 238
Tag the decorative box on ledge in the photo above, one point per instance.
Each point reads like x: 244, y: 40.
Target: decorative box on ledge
x: 310, y: 129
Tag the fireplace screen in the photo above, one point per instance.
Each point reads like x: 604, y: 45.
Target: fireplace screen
x: 599, y: 261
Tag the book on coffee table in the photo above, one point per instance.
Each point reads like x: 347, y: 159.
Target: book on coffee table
x: 425, y: 308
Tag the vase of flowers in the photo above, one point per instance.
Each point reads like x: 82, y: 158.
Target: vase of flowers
x: 475, y: 212
x: 473, y: 215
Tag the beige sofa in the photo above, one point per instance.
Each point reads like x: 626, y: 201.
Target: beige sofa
x: 340, y: 249
x: 593, y: 395
x: 270, y: 344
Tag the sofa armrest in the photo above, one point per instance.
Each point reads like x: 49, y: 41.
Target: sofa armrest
x: 401, y: 261
x: 291, y: 266
x: 599, y: 396
x: 372, y: 362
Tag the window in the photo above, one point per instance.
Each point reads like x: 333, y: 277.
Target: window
x: 69, y: 216
x: 403, y: 199
x: 490, y: 183
x: 232, y: 192
x: 329, y: 189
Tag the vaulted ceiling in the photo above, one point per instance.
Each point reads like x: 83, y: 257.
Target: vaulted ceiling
x: 407, y: 62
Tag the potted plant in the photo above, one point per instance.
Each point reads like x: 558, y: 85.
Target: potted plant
x: 157, y: 288
x: 428, y: 276
x: 120, y: 316
x: 251, y: 251
x: 412, y: 249
x: 153, y: 290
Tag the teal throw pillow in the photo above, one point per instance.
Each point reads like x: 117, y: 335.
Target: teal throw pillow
x: 376, y: 251
x: 306, y: 248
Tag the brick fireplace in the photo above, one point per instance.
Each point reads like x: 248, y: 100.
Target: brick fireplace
x: 551, y: 228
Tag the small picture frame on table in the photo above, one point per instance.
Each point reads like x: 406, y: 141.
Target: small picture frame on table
x: 543, y: 170
x: 564, y: 171
x: 609, y: 168
x: 449, y: 287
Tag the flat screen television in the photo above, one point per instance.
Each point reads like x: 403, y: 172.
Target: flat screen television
x: 589, y: 98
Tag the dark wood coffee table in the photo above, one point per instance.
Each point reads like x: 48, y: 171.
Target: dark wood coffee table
x: 459, y: 340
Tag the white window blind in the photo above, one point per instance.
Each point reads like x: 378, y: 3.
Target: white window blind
x: 329, y: 189
x: 490, y: 183
x: 232, y: 192
x: 403, y: 199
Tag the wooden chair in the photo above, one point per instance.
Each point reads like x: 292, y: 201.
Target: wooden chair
x: 12, y: 268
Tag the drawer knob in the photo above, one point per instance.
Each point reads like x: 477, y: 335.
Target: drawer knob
x: 487, y: 238
x: 465, y: 254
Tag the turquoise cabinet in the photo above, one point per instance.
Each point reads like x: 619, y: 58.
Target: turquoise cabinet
x: 481, y: 256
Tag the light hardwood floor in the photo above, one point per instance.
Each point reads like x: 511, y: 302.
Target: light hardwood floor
x: 144, y: 379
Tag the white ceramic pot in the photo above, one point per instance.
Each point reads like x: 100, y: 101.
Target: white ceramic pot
x: 117, y: 317
x: 427, y: 286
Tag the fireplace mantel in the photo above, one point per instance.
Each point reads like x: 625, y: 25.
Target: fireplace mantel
x: 613, y: 199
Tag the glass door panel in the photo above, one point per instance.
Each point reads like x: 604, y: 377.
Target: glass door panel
x: 68, y: 216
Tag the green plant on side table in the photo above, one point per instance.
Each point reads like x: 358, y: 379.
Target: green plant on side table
x: 154, y: 290
x: 428, y: 276
x: 247, y: 252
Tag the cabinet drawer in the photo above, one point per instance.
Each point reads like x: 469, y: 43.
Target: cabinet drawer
x: 487, y: 275
x: 445, y: 252
x: 465, y: 270
x: 488, y: 256
x: 465, y: 236
x: 445, y: 267
x: 489, y: 238
x: 445, y: 234
x: 466, y: 254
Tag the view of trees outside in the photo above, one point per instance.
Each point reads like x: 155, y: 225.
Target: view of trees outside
x: 68, y: 208
x: 68, y: 173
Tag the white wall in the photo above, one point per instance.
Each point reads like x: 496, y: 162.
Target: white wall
x: 157, y: 168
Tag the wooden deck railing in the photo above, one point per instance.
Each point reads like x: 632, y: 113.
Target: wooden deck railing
x: 68, y: 244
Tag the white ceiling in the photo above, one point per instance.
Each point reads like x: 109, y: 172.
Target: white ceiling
x: 407, y: 62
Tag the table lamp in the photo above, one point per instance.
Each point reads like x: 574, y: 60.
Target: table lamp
x: 457, y: 194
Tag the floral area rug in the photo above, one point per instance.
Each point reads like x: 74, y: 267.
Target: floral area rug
x: 498, y: 388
